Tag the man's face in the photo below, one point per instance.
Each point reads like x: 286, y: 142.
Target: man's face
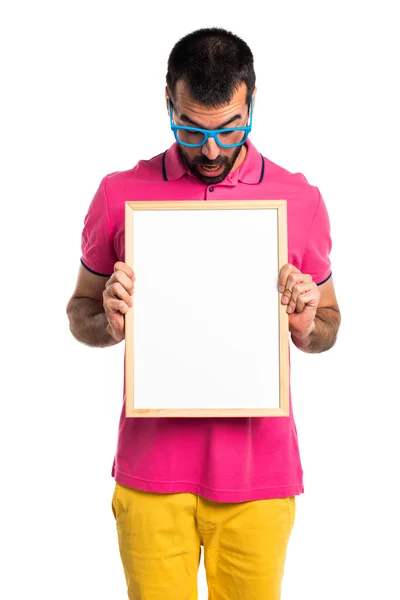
x: 210, y: 163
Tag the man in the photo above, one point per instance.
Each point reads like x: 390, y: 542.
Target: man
x: 228, y: 484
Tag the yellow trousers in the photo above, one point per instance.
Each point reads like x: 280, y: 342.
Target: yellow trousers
x: 160, y: 538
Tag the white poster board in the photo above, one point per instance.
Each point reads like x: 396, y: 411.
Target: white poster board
x: 207, y: 334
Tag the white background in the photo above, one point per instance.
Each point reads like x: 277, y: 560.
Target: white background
x: 83, y: 95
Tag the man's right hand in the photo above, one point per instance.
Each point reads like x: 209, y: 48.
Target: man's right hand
x: 117, y: 299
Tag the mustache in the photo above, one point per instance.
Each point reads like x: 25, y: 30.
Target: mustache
x: 203, y: 160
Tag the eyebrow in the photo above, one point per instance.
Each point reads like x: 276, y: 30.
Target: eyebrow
x: 184, y: 117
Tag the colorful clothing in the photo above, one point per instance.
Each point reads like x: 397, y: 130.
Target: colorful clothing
x: 222, y: 459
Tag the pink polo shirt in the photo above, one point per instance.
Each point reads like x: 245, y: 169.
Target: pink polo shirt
x: 232, y: 459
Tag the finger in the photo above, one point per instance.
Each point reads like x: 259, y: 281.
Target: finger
x: 293, y: 280
x: 122, y: 266
x: 289, y: 276
x: 290, y: 294
x: 301, y: 288
x: 296, y: 278
x: 115, y: 305
x: 122, y: 278
x: 284, y: 273
x: 310, y: 299
x: 116, y: 290
x: 287, y: 295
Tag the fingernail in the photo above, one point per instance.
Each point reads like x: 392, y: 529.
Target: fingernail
x: 285, y: 300
x: 281, y: 288
x: 289, y: 309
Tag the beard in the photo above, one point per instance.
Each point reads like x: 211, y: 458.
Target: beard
x: 226, y: 161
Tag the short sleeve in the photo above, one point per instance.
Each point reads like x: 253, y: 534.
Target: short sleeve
x: 316, y: 261
x: 98, y: 254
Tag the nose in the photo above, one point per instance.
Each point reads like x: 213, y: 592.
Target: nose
x: 210, y: 149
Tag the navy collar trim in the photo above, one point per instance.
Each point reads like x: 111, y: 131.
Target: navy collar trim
x: 164, y: 170
x: 262, y: 168
x: 165, y: 177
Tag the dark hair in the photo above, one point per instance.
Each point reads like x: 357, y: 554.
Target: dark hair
x: 213, y: 63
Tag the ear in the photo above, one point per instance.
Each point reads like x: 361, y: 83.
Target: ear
x: 166, y: 98
x: 254, y: 97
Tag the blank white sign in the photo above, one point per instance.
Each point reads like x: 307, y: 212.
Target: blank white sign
x: 205, y: 324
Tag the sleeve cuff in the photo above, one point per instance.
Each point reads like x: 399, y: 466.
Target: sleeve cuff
x: 325, y: 280
x: 95, y: 272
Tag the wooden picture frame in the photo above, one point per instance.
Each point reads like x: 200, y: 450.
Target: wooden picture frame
x: 207, y: 335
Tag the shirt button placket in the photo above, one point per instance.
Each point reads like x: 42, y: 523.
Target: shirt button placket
x: 208, y: 191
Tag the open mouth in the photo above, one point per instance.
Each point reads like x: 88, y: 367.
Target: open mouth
x: 210, y: 169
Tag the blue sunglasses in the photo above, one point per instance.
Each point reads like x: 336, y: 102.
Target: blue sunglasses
x: 198, y: 136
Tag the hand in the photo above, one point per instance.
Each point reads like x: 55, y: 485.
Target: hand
x: 301, y: 295
x: 117, y: 299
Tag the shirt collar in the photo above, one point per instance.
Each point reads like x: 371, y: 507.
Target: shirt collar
x: 251, y: 171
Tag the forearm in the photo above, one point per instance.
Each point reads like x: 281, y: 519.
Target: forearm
x: 88, y: 322
x: 323, y: 336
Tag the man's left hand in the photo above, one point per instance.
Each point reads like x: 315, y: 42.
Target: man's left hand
x: 301, y: 296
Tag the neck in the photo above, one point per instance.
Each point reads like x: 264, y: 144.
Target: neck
x: 240, y: 158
